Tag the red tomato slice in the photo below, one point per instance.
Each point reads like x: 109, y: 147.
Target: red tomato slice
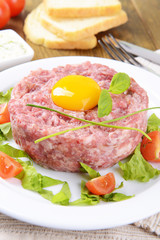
x: 4, y: 113
x: 4, y: 13
x: 16, y: 6
x: 102, y: 185
x: 8, y: 166
x: 151, y: 149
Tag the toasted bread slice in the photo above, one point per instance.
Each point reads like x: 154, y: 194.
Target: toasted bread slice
x: 79, y: 28
x: 36, y: 33
x: 82, y: 8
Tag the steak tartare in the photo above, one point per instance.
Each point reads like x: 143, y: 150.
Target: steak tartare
x: 98, y: 147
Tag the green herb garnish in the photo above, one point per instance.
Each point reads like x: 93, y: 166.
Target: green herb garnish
x: 104, y: 103
x: 119, y: 84
x: 103, y: 124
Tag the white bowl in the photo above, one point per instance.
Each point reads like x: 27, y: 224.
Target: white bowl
x: 13, y: 49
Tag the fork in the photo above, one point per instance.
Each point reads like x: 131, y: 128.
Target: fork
x: 117, y: 52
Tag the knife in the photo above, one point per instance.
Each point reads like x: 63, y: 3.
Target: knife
x: 140, y: 51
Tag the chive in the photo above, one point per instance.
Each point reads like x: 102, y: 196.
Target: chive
x: 91, y: 122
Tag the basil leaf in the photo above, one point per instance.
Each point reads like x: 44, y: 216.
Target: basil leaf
x: 63, y: 196
x: 104, y: 103
x: 92, y: 173
x: 153, y: 123
x: 120, y: 83
x: 5, y: 97
x: 137, y: 168
x: 115, y: 197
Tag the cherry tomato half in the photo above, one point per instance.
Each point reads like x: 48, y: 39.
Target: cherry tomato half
x: 4, y: 13
x: 8, y: 166
x: 151, y: 149
x: 16, y: 6
x: 102, y: 185
x: 4, y: 113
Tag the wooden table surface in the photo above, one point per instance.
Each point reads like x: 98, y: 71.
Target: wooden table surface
x: 142, y: 28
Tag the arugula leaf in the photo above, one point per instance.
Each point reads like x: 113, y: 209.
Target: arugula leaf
x: 92, y: 173
x: 115, y: 197
x: 120, y: 83
x: 153, y: 123
x: 137, y: 168
x: 5, y: 97
x: 63, y: 196
x: 86, y: 197
x: 104, y: 104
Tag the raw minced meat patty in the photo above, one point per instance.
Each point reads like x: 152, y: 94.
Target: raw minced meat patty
x: 98, y: 147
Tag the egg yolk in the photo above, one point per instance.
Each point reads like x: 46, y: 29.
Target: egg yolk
x: 76, y: 92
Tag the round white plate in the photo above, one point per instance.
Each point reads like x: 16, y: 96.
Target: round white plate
x: 30, y: 207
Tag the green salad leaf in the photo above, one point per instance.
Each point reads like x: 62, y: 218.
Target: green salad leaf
x: 13, y: 152
x: 5, y: 97
x: 63, y: 196
x: 34, y: 181
x: 5, y: 128
x: 48, y: 182
x: 5, y: 131
x: 153, y: 123
x: 137, y: 168
x: 86, y: 197
x: 115, y: 197
x: 91, y: 172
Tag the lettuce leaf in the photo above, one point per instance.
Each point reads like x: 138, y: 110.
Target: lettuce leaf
x: 137, y: 168
x: 13, y: 152
x: 86, y: 197
x: 63, y: 196
x: 153, y: 123
x: 86, y: 169
x: 5, y: 97
x: 115, y: 197
x: 5, y: 131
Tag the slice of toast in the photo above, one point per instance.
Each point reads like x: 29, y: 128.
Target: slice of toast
x: 75, y: 29
x: 82, y: 8
x: 36, y: 33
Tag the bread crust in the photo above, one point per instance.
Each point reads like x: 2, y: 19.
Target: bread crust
x: 70, y: 11
x: 77, y: 29
x: 37, y: 34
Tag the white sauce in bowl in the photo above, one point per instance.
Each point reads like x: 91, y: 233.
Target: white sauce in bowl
x: 13, y: 49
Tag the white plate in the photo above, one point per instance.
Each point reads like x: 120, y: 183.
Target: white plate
x: 32, y: 208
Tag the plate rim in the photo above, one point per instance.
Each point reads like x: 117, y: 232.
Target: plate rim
x: 81, y: 223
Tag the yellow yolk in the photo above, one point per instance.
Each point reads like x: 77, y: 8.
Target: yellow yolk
x: 76, y: 92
